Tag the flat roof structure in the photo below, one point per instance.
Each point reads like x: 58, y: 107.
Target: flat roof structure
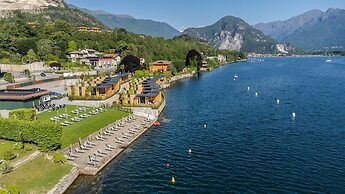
x: 22, y: 94
x: 109, y: 82
x: 150, y: 87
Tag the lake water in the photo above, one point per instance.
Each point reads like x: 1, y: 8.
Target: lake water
x: 251, y: 144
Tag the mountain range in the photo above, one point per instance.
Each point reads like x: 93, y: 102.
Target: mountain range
x: 131, y: 24
x: 232, y: 33
x: 312, y: 31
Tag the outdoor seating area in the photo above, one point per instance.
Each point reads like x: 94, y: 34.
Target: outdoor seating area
x: 67, y: 120
x: 95, y: 150
x: 49, y: 106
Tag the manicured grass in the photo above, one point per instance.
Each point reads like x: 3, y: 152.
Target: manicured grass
x: 36, y: 176
x: 84, y: 128
x: 8, y: 145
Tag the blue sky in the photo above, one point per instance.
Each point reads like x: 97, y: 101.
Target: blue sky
x: 194, y: 13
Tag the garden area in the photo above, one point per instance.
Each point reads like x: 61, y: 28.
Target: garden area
x: 84, y: 127
x: 13, y: 151
x: 36, y: 176
x: 46, y: 135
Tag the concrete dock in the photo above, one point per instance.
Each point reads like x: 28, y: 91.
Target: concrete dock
x: 93, y: 153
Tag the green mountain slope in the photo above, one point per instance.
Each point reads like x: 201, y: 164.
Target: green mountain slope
x: 138, y: 26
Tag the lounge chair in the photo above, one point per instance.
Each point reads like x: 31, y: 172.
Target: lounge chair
x: 79, y: 151
x: 120, y: 139
x: 107, y: 133
x: 88, y: 146
x: 110, y: 146
x: 70, y: 154
x: 126, y: 134
x: 84, y: 147
x: 98, y: 154
x: 100, y: 138
x: 101, y: 152
x: 70, y: 158
x: 90, y: 143
x: 131, y: 132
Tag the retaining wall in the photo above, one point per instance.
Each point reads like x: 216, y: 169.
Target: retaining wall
x: 38, y: 66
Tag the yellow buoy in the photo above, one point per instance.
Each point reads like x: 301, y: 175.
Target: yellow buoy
x: 173, y: 180
x: 205, y: 125
x: 190, y: 151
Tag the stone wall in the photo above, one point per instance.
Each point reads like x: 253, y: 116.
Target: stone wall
x: 38, y: 66
x: 65, y: 182
x: 148, y: 112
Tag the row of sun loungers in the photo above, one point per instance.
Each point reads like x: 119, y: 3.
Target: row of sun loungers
x: 112, y: 133
x: 79, y: 110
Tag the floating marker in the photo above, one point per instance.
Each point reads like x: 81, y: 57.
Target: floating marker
x: 278, y: 101
x: 168, y: 165
x: 293, y: 115
x: 190, y: 151
x: 205, y: 126
x: 248, y: 88
x: 173, y: 180
x: 256, y: 94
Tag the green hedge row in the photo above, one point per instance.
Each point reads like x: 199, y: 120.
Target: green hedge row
x: 26, y: 114
x: 46, y: 135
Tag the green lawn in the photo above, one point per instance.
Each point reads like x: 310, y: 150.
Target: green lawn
x: 84, y: 128
x: 8, y: 145
x: 36, y: 176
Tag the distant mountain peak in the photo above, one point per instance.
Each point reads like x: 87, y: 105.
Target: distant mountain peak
x: 312, y: 30
x: 233, y: 33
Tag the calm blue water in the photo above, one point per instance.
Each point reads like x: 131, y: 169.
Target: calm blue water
x: 250, y: 145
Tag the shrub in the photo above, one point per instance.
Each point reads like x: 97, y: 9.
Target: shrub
x: 46, y: 135
x: 5, y: 168
x: 59, y: 158
x: 9, y: 155
x: 8, y: 77
x: 28, y: 147
x: 27, y: 73
x: 13, y: 190
x: 26, y: 114
x: 18, y: 146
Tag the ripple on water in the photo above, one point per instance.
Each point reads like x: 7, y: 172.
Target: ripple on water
x: 250, y: 145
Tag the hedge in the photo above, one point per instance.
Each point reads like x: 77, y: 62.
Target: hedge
x: 46, y: 135
x: 26, y: 114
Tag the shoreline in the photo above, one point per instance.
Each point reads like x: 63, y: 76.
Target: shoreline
x: 68, y: 179
x: 81, y: 169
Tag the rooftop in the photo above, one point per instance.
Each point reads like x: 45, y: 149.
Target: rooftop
x: 150, y: 87
x: 109, y: 82
x: 162, y: 62
x: 22, y: 94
